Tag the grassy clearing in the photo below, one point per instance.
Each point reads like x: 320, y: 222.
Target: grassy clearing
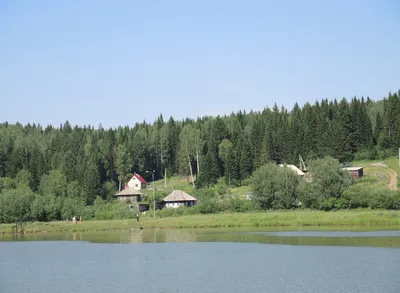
x: 310, y: 219
x: 393, y: 163
x: 373, y: 171
x: 241, y: 191
x: 176, y: 182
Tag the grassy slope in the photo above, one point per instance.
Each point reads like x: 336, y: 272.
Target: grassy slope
x: 356, y: 218
x: 179, y: 182
x: 392, y: 162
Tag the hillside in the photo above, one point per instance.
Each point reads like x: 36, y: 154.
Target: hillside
x: 56, y: 171
x: 94, y: 161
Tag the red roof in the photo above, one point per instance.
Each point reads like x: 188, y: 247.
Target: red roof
x: 140, y: 178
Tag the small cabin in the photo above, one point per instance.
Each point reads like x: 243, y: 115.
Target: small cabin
x: 137, y: 182
x: 129, y: 195
x: 178, y: 198
x: 357, y: 172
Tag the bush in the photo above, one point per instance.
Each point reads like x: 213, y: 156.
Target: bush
x: 329, y: 179
x: 220, y: 188
x: 334, y: 204
x: 359, y: 196
x: 373, y: 154
x: 208, y: 206
x: 103, y: 210
x: 240, y: 205
x: 274, y: 187
x: 383, y: 199
x: 71, y: 207
x: 204, y: 193
x: 15, y: 204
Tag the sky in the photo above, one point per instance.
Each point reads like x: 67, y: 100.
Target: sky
x: 122, y: 62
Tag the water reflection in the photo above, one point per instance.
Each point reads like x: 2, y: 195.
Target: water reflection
x: 391, y: 233
x: 310, y: 238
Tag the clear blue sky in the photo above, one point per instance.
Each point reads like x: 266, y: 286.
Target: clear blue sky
x: 120, y: 62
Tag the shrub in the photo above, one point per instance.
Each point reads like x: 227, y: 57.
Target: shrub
x: 239, y: 205
x: 359, y: 196
x: 208, y: 206
x: 334, y: 204
x: 103, y: 210
x: 274, y: 187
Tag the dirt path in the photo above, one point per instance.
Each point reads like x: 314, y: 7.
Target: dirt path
x: 393, y: 175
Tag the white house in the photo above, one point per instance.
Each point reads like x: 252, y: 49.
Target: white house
x: 179, y: 198
x: 137, y: 182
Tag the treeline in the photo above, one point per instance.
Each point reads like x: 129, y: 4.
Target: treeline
x: 94, y: 162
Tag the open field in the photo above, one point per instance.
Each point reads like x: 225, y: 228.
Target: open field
x: 297, y: 219
x: 386, y: 171
x: 182, y: 183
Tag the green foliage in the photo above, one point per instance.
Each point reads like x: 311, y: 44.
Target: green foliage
x: 82, y: 163
x: 328, y: 178
x: 46, y: 208
x: 274, y: 187
x: 15, y: 204
x: 23, y: 177
x: 208, y: 206
x: 71, y: 207
x: 372, y: 154
x: 363, y: 196
x: 158, y: 194
x: 109, y: 190
x: 54, y: 183
x: 112, y: 210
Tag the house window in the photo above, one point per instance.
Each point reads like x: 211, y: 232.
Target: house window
x: 136, y: 185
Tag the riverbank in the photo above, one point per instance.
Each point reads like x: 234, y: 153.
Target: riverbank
x: 302, y: 219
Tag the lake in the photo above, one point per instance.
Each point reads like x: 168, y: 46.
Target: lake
x: 211, y: 260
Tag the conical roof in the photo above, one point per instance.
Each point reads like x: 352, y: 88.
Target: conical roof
x: 179, y: 195
x: 128, y: 191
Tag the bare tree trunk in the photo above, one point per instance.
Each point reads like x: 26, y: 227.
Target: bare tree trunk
x: 165, y: 179
x: 191, y: 171
x: 119, y: 184
x: 198, y: 162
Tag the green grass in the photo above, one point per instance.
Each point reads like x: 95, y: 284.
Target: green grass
x: 242, y: 190
x: 393, y: 163
x: 176, y: 182
x: 304, y: 218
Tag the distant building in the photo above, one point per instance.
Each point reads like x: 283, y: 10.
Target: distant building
x: 129, y: 195
x: 137, y: 182
x: 357, y: 172
x: 294, y: 169
x: 179, y: 198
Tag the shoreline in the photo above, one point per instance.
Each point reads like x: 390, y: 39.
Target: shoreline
x: 305, y: 220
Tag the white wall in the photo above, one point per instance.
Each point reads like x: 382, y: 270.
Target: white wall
x: 178, y: 204
x: 135, y: 183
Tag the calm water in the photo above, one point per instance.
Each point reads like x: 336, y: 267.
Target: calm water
x: 202, y: 261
